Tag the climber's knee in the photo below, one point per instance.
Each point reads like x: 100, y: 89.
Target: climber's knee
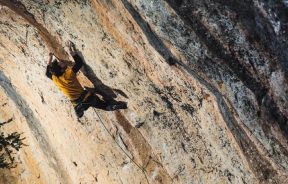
x: 79, y: 110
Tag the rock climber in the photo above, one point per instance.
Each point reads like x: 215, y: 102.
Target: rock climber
x: 64, y: 76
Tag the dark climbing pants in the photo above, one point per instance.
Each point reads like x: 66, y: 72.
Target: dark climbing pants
x: 91, y: 101
x: 95, y: 101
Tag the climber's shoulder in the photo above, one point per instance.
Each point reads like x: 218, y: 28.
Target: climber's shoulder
x: 69, y: 72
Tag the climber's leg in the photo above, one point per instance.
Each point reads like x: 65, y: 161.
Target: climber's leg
x: 79, y: 110
x: 96, y: 102
x: 79, y: 106
x: 117, y: 105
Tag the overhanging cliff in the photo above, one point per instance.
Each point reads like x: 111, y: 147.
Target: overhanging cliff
x: 205, y: 81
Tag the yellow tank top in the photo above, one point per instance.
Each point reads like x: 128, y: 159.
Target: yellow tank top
x: 69, y: 84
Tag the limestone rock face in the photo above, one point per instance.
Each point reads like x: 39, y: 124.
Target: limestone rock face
x: 205, y: 81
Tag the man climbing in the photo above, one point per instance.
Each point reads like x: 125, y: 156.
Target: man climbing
x: 66, y: 80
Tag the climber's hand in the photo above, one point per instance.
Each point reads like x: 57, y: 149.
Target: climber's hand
x: 50, y: 58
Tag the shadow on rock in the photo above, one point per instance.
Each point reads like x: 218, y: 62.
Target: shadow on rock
x: 108, y: 93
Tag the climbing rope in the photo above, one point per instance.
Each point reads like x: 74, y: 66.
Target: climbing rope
x: 141, y: 168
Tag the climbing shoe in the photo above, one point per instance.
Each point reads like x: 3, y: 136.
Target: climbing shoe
x: 119, y: 105
x: 80, y: 108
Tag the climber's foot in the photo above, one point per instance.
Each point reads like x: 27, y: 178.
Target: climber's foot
x: 119, y: 105
x: 79, y: 114
x: 80, y: 108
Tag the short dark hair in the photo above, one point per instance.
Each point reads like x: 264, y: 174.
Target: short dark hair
x: 56, y: 68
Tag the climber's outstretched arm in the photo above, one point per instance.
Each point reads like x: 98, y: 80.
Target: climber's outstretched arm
x: 78, y: 63
x: 78, y: 60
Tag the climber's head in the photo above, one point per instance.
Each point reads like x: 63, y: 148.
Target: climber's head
x: 57, y: 68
